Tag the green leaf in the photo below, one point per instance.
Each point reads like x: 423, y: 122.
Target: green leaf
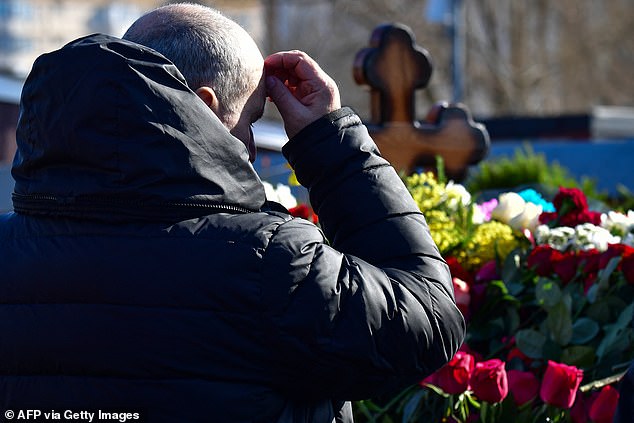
x: 559, y: 323
x: 372, y: 406
x: 548, y: 293
x: 584, y: 330
x: 500, y: 285
x: 593, y: 293
x: 625, y: 318
x: 603, y: 276
x: 437, y: 390
x: 461, y: 408
x: 411, y: 405
x: 612, y: 332
x: 552, y: 350
x: 578, y: 355
x: 512, y: 269
x: 515, y: 288
x: 512, y: 321
x: 484, y: 411
x: 599, y: 311
x: 530, y: 342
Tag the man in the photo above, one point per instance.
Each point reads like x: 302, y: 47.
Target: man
x: 143, y: 270
x: 219, y: 60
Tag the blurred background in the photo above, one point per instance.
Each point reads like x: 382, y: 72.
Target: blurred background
x: 539, y: 71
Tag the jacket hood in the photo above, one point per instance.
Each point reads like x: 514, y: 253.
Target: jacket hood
x: 108, y: 127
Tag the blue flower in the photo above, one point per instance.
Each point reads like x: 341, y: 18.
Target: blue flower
x: 532, y: 196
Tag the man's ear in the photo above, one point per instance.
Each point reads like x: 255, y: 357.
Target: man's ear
x: 208, y: 95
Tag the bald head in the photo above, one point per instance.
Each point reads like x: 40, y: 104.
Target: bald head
x: 207, y: 47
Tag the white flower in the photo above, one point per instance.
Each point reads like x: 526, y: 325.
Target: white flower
x: 510, y: 204
x: 281, y: 194
x: 527, y: 219
x: 541, y: 234
x: 618, y: 223
x: 583, y: 237
x: 454, y: 193
x: 589, y: 236
x: 559, y: 238
x: 478, y: 216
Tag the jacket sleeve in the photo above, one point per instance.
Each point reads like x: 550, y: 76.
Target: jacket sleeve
x: 372, y: 311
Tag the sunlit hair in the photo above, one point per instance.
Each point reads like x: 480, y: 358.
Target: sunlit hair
x: 202, y: 43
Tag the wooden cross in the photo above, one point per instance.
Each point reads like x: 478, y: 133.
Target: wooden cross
x: 394, y: 67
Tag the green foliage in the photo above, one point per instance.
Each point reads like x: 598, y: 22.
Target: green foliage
x: 623, y: 201
x: 525, y: 168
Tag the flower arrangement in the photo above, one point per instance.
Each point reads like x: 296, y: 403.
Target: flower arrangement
x: 547, y: 289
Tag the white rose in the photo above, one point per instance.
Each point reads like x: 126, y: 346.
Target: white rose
x: 510, y: 204
x: 527, y: 219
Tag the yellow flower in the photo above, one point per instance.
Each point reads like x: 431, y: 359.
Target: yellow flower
x: 425, y: 190
x: 443, y: 230
x: 489, y: 241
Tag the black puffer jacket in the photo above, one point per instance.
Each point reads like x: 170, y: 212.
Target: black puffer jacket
x: 141, y: 271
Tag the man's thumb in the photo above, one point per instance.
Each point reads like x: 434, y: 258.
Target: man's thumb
x: 280, y: 95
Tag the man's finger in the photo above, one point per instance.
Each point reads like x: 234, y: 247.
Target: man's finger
x: 295, y: 63
x: 280, y: 94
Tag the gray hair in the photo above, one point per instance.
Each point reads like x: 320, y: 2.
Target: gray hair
x: 202, y: 43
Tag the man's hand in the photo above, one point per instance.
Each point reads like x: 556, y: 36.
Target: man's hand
x: 300, y: 89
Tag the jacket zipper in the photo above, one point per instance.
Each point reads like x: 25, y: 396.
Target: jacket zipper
x: 61, y: 201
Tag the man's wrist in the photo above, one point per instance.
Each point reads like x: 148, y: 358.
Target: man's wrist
x: 316, y: 128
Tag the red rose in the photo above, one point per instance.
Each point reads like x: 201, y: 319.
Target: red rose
x: 614, y: 250
x: 453, y: 377
x: 566, y: 266
x: 570, y: 199
x: 579, y: 410
x: 489, y: 381
x: 590, y: 217
x: 589, y: 264
x: 572, y: 209
x: 604, y: 406
x: 463, y: 298
x: 429, y: 380
x: 541, y: 259
x: 590, y: 260
x: 547, y: 217
x: 577, y: 218
x: 476, y: 355
x: 523, y: 385
x: 560, y: 384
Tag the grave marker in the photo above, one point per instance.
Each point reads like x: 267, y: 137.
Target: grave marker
x: 394, y: 67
